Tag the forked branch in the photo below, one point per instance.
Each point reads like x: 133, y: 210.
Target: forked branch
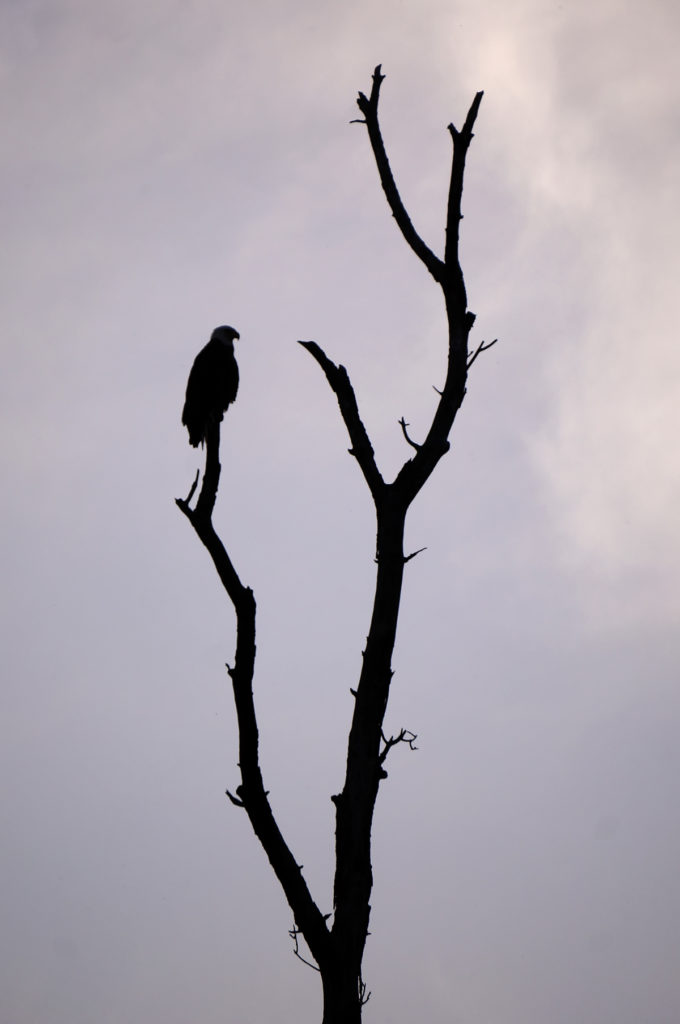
x: 448, y: 274
x: 404, y: 736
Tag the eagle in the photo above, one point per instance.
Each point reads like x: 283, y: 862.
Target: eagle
x: 212, y: 384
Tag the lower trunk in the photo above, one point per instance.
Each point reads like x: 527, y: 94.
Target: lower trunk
x: 341, y: 995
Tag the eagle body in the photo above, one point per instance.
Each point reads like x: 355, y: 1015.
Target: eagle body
x: 212, y: 384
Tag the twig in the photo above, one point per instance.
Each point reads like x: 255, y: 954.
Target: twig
x: 364, y: 996
x: 191, y: 493
x: 407, y: 558
x: 483, y: 347
x: 404, y: 425
x: 405, y: 736
x: 294, y: 932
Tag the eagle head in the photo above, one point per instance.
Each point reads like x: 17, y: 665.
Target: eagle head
x: 225, y: 334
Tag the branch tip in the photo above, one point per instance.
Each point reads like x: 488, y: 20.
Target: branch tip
x: 403, y: 424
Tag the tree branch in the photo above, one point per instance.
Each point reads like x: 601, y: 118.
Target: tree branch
x: 369, y: 108
x: 461, y: 143
x: 362, y: 448
x: 251, y: 793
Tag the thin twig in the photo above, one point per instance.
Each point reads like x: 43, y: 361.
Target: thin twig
x: 407, y: 558
x: 403, y: 424
x: 483, y: 347
x: 364, y: 996
x: 187, y: 500
x: 294, y: 932
x: 405, y: 736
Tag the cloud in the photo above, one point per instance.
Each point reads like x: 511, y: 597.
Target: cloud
x: 590, y: 151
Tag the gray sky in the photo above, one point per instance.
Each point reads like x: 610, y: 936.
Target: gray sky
x: 168, y: 167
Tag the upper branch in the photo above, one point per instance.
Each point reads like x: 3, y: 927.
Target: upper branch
x: 368, y: 105
x: 361, y: 449
x: 461, y: 143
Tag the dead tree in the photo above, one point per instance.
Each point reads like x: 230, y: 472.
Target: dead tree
x: 338, y: 947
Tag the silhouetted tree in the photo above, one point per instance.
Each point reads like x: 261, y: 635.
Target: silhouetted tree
x: 338, y: 947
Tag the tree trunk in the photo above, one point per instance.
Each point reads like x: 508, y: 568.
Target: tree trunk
x: 341, y: 993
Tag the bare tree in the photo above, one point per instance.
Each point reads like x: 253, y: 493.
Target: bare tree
x: 338, y: 947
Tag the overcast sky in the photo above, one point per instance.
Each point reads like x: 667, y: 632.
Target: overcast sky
x: 168, y: 167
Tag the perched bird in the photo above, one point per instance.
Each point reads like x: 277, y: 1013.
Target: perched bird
x: 212, y: 384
